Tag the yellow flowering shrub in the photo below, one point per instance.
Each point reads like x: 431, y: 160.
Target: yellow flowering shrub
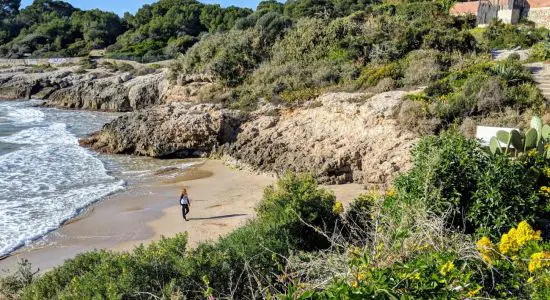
x: 538, y: 261
x: 516, y: 238
x: 447, y: 268
x: 338, y: 207
x: 391, y: 192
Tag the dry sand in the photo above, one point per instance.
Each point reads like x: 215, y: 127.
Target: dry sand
x: 221, y: 200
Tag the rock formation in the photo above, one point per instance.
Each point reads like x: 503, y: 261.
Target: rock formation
x: 172, y: 130
x: 339, y: 137
x: 98, y: 89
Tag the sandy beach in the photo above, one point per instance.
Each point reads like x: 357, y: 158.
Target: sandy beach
x: 222, y: 199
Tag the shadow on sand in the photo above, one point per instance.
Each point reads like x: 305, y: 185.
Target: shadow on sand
x: 218, y: 217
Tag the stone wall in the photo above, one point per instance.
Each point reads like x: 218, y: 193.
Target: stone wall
x: 40, y: 61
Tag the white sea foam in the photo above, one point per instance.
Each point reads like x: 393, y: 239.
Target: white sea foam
x: 55, y: 134
x: 47, y: 180
x: 25, y: 115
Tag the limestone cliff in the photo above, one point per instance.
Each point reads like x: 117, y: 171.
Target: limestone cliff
x: 339, y: 137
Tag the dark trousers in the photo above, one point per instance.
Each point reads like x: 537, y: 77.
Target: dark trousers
x: 185, y: 210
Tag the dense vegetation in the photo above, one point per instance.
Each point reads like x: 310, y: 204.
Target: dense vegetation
x: 55, y: 28
x: 50, y: 28
x: 376, y: 48
x: 169, y: 27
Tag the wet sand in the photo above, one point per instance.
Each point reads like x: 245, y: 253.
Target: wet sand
x: 221, y: 200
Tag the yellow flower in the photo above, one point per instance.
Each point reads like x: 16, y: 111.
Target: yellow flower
x: 361, y: 276
x: 530, y: 280
x: 355, y: 284
x: 472, y: 293
x: 338, y: 208
x: 485, y: 248
x: 391, y: 192
x: 526, y: 233
x: 416, y: 276
x: 532, y: 153
x: 446, y: 268
x: 545, y: 190
x: 538, y: 261
x: 512, y: 241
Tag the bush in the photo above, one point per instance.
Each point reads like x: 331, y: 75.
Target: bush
x: 296, y: 204
x: 476, y: 192
x: 481, y: 88
x: 373, y: 74
x: 540, y: 52
x: 413, y: 116
x: 423, y: 66
x: 505, y: 36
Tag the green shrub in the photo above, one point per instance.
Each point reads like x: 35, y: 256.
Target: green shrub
x: 540, y: 52
x: 482, y: 88
x: 358, y: 218
x: 12, y: 285
x: 454, y: 178
x: 373, y: 74
x: 296, y: 204
x: 505, y: 36
x: 493, y: 271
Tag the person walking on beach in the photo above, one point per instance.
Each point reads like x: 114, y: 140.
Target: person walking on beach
x: 185, y: 203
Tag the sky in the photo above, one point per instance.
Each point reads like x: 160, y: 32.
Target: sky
x: 121, y: 6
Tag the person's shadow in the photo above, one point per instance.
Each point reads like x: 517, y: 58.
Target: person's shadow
x: 218, y: 217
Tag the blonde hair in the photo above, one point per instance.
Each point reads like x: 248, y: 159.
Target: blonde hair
x: 184, y: 191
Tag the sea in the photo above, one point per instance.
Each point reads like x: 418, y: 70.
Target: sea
x: 46, y: 178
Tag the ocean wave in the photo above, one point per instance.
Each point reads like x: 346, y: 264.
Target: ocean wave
x: 54, y: 134
x: 47, y: 179
x: 25, y: 115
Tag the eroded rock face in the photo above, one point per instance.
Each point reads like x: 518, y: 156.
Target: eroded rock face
x: 18, y: 83
x: 172, y: 130
x: 99, y: 89
x: 114, y: 93
x: 342, y: 140
x: 340, y: 137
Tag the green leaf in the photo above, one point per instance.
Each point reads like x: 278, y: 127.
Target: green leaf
x: 530, y: 139
x: 546, y: 132
x: 536, y: 123
x: 503, y: 136
x: 494, y: 145
x: 516, y: 140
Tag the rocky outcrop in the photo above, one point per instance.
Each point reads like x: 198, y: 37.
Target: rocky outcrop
x: 114, y: 93
x: 172, y: 130
x: 24, y: 82
x: 340, y: 137
x: 98, y: 89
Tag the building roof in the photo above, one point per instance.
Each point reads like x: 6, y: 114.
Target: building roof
x: 465, y: 8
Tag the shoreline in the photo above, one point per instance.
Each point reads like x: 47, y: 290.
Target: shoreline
x: 222, y: 199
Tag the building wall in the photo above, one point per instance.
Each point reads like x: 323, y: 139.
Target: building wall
x: 509, y: 16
